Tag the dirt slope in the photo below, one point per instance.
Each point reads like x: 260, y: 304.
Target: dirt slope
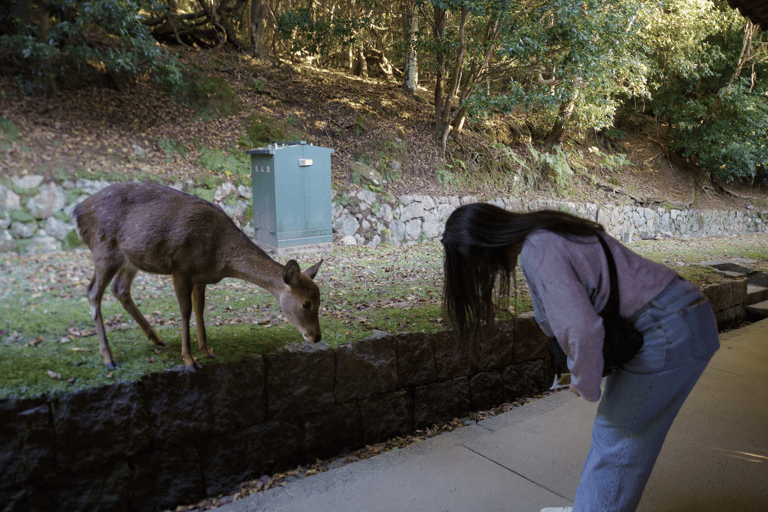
x: 97, y: 131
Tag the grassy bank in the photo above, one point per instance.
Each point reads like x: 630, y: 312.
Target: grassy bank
x: 48, y: 343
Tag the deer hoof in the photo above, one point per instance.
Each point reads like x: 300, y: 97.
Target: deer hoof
x: 112, y: 365
x: 189, y: 368
x: 211, y: 356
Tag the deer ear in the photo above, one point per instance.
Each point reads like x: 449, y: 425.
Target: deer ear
x: 291, y: 273
x: 311, y: 272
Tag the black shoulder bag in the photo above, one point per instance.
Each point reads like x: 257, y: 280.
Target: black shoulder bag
x: 622, y: 341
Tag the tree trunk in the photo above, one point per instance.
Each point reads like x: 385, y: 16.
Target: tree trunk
x: 258, y: 21
x: 557, y: 132
x: 439, y: 33
x: 410, y: 27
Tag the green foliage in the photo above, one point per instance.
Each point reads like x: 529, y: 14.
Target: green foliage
x: 101, y: 33
x: 261, y: 130
x: 612, y: 162
x: 727, y: 134
x: 9, y: 132
x: 234, y: 164
x: 316, y: 34
x: 173, y: 147
x: 718, y: 120
x: 555, y: 165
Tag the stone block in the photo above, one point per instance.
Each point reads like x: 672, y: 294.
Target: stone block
x: 231, y: 458
x: 486, y: 390
x: 718, y: 295
x: 163, y: 478
x: 386, y: 416
x: 98, y: 425
x: 440, y: 402
x: 102, y: 489
x: 527, y: 379
x: 214, y: 399
x: 26, y: 440
x: 333, y: 431
x: 415, y: 360
x: 498, y: 350
x: 365, y: 368
x: 454, y: 357
x: 530, y: 341
x: 300, y: 380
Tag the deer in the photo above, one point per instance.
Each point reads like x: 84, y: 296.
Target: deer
x: 157, y: 229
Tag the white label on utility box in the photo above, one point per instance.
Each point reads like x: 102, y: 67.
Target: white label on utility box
x: 305, y: 162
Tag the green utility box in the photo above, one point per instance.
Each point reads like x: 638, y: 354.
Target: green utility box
x: 292, y: 197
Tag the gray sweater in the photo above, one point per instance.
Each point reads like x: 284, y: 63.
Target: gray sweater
x: 569, y: 287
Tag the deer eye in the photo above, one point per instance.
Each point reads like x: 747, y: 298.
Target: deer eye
x: 307, y: 305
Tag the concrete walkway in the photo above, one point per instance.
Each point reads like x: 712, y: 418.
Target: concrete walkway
x: 715, y: 458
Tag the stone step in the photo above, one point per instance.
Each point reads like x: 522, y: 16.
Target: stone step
x: 755, y: 294
x: 758, y: 310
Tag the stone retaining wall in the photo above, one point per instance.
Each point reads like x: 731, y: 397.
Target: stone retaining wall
x: 363, y: 217
x: 39, y: 220
x: 175, y: 438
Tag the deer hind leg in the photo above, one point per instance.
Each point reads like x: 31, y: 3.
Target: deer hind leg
x: 198, y: 302
x: 121, y: 288
x: 102, y: 275
x: 183, y: 289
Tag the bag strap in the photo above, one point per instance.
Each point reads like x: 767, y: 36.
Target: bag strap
x: 612, y: 307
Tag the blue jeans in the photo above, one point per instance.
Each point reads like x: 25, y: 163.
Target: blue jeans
x: 641, y: 400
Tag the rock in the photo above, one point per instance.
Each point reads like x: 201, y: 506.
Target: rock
x: 245, y: 192
x: 23, y: 230
x: 366, y: 196
x: 5, y: 220
x: 42, y: 244
x: 246, y: 455
x: 50, y: 200
x: 115, y: 419
x: 440, y: 402
x: 26, y: 439
x: 31, y: 181
x: 386, y: 416
x: 365, y: 368
x: 9, y: 200
x: 223, y: 191
x: 91, y: 186
x: 349, y: 240
x: 301, y: 380
x: 365, y: 174
x: 58, y: 228
x: 174, y: 469
x: 7, y: 242
x: 334, y: 430
x: 346, y: 224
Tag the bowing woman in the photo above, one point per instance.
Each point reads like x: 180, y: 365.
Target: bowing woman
x: 567, y: 272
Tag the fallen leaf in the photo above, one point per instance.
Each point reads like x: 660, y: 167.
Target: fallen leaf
x: 54, y: 375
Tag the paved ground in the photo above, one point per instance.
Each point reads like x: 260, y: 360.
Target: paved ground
x: 715, y: 458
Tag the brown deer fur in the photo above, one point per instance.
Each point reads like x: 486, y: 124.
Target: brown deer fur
x: 157, y: 229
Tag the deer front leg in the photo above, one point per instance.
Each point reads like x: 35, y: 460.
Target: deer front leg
x: 121, y: 288
x: 101, y: 277
x: 183, y: 289
x: 198, y: 301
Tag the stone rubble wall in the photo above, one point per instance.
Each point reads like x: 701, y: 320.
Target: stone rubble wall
x: 365, y: 218
x: 43, y: 221
x: 175, y: 438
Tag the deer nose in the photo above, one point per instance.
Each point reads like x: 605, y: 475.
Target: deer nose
x: 318, y: 337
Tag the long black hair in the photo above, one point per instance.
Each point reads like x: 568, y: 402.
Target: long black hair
x: 477, y: 242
